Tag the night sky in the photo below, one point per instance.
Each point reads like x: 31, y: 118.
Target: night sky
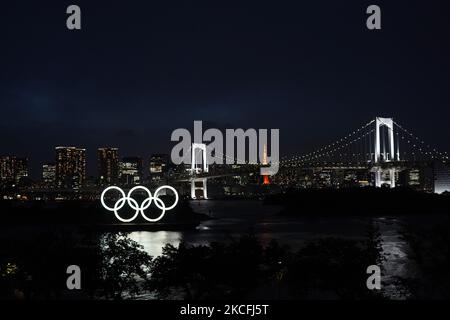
x: 138, y: 70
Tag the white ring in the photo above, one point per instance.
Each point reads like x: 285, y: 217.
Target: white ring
x: 160, y: 216
x: 174, y: 192
x: 102, y: 198
x: 116, y: 212
x: 142, y: 208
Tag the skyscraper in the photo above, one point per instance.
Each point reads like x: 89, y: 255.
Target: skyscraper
x: 48, y: 173
x: 7, y: 168
x: 108, y: 165
x: 21, y: 169
x: 12, y: 169
x: 131, y: 170
x: 158, y: 166
x: 70, y: 171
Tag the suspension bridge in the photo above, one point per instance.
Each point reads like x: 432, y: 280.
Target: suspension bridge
x: 381, y: 145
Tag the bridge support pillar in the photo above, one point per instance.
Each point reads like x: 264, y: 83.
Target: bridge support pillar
x: 203, y: 187
x: 381, y: 179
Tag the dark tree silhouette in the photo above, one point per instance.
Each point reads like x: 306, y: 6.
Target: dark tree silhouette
x: 330, y: 268
x: 124, y: 266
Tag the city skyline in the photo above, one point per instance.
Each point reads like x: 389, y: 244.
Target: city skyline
x: 365, y: 150
x: 68, y: 171
x: 37, y: 173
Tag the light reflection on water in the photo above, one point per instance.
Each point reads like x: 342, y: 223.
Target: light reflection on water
x: 153, y: 242
x: 235, y: 218
x: 397, y: 263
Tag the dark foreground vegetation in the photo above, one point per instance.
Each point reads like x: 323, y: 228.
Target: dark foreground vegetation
x: 359, y: 201
x: 115, y: 267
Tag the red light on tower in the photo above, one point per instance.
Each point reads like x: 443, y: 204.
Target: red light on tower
x: 266, y: 180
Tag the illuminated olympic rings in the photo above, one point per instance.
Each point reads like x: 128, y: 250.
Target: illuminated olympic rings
x: 120, y: 203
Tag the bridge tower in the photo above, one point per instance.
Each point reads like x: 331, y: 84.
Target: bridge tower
x: 389, y: 123
x: 202, y: 148
x: 198, y: 170
x: 389, y: 156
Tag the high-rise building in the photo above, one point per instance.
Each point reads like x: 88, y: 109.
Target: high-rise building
x: 130, y: 170
x: 21, y: 170
x: 417, y: 177
x: 12, y: 168
x: 158, y: 166
x: 48, y: 173
x: 414, y: 177
x: 70, y: 170
x: 108, y: 165
x: 7, y: 168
